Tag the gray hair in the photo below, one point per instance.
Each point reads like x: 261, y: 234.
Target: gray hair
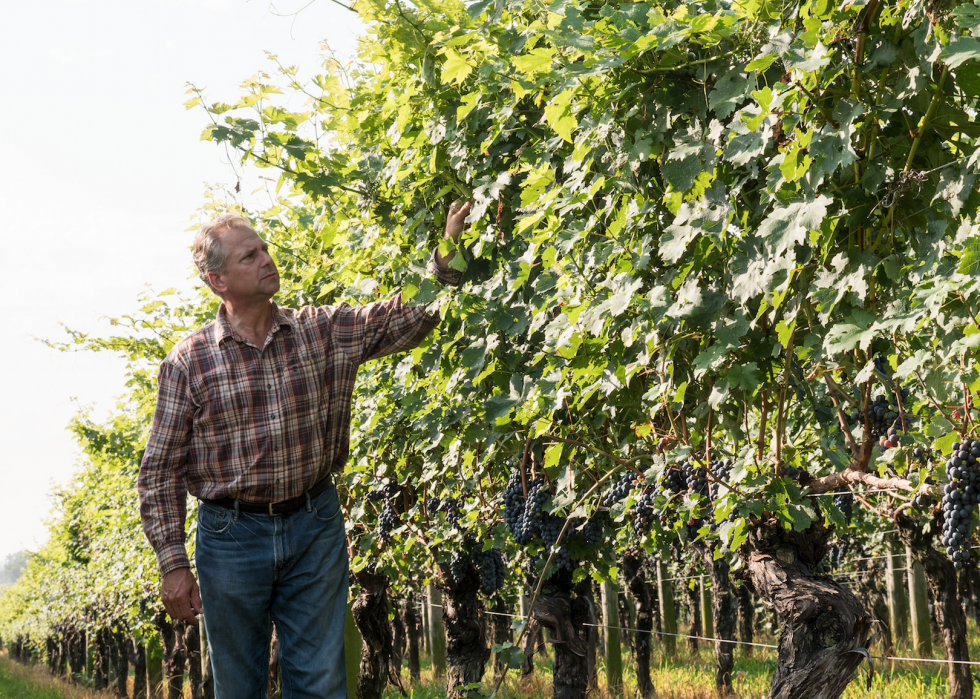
x: 209, y: 254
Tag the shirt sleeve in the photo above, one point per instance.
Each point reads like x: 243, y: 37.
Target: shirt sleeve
x: 386, y: 327
x: 162, y: 481
x: 447, y: 276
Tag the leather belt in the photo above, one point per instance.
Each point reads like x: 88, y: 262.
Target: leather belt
x: 286, y: 507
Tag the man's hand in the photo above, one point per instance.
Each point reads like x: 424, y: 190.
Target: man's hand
x: 181, y: 596
x: 455, y: 222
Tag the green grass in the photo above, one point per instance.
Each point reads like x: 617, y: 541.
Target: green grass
x: 19, y: 682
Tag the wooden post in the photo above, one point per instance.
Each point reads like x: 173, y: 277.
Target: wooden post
x: 154, y: 667
x: 352, y: 651
x: 614, y: 652
x: 89, y: 654
x: 919, y: 602
x: 437, y: 632
x: 665, y: 591
x: 898, y: 599
x: 707, y: 617
x: 423, y: 611
x: 204, y: 649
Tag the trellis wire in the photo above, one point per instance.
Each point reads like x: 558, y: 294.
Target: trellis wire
x: 716, y: 640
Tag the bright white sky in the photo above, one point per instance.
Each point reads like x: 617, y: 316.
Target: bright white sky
x: 102, y: 172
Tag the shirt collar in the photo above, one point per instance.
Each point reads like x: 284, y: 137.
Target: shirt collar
x: 223, y: 329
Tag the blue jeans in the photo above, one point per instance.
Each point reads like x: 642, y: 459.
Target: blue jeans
x: 254, y: 570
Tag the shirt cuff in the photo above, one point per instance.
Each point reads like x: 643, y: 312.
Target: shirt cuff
x: 171, y: 557
x: 447, y: 276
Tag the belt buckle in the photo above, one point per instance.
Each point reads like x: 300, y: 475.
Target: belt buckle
x: 271, y: 513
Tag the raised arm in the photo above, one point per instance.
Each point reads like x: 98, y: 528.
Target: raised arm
x: 386, y: 327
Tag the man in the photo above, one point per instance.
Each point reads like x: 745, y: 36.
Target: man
x: 253, y: 417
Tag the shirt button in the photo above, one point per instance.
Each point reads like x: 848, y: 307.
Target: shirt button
x: 268, y: 385
x: 277, y: 448
x: 277, y: 481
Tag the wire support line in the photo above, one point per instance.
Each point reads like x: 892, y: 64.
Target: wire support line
x: 859, y: 492
x: 864, y: 572
x: 926, y: 660
x: 683, y: 635
x: 716, y: 640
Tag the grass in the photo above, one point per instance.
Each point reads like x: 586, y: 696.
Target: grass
x: 34, y: 682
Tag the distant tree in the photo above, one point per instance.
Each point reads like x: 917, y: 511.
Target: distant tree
x: 13, y: 566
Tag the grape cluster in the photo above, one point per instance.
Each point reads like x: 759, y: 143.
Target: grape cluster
x: 890, y: 440
x: 697, y: 478
x: 595, y: 530
x: 921, y: 502
x: 618, y: 491
x: 883, y: 413
x: 451, y: 507
x: 523, y: 515
x: 793, y: 472
x: 838, y: 551
x: 673, y: 480
x: 822, y: 569
x: 513, y: 499
x: 388, y: 491
x: 531, y: 564
x: 459, y: 566
x: 845, y: 503
x: 720, y: 468
x: 490, y: 565
x: 550, y: 529
x: 960, y: 497
x: 530, y: 523
x: 644, y: 513
x: 388, y: 520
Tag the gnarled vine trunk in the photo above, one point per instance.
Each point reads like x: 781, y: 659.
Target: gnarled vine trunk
x: 467, y: 651
x: 723, y: 613
x: 948, y: 611
x: 76, y: 652
x: 138, y: 653
x: 413, y: 632
x: 370, y: 611
x: 825, y: 627
x: 121, y: 665
x: 633, y: 575
x: 500, y: 623
x: 746, y: 612
x: 100, y: 664
x: 570, y: 669
x: 192, y: 644
x: 172, y: 638
x: 872, y: 595
x: 694, y: 612
x: 585, y: 620
x: 398, y: 635
x: 569, y: 613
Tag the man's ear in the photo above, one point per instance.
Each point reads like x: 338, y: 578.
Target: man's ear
x: 217, y: 283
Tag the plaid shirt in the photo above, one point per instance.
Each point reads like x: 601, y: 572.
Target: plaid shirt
x: 262, y: 424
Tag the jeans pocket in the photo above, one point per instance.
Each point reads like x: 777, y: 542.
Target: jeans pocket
x: 326, y: 506
x: 213, y: 520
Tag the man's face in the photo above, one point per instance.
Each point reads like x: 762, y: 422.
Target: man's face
x: 250, y: 272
